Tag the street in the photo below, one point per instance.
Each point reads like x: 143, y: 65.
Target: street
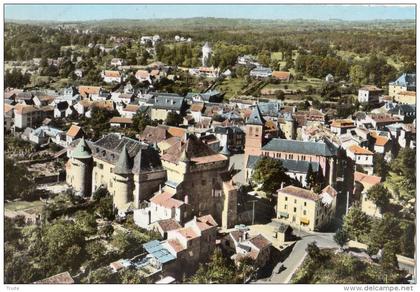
x: 296, y: 257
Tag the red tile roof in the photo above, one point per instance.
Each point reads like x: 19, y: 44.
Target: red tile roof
x: 299, y: 192
x: 359, y: 150
x: 165, y: 199
x: 260, y: 241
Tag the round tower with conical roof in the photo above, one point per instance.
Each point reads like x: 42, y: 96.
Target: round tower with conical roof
x: 123, y: 180
x: 80, y: 171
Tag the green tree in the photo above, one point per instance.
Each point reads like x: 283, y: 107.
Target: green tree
x: 173, y: 119
x: 101, y: 276
x: 16, y: 79
x: 86, y: 222
x: 356, y: 223
x: 64, y: 243
x: 18, y: 181
x: 107, y: 230
x: 131, y: 276
x: 141, y: 120
x: 271, y: 174
x: 357, y: 75
x: 380, y: 166
x: 217, y: 271
x: 341, y: 237
x: 127, y: 242
x: 384, y: 231
x: 105, y: 208
x: 402, y: 176
x: 379, y: 195
x: 389, y: 261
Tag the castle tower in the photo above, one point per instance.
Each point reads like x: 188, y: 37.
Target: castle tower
x: 80, y: 176
x: 254, y: 133
x: 206, y: 50
x: 289, y: 127
x: 123, y: 178
x: 230, y: 204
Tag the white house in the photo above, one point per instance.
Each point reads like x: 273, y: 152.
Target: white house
x: 111, y: 76
x: 362, y: 157
x: 369, y: 94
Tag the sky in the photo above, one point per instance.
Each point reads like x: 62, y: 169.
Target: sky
x: 79, y: 12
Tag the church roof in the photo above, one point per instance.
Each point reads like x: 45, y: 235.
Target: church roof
x: 256, y: 117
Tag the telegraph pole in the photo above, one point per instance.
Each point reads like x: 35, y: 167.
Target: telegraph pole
x: 253, y: 210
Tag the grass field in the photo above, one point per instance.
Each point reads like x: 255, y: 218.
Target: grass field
x: 231, y: 87
x: 23, y: 205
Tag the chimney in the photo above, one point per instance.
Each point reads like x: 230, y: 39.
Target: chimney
x: 245, y: 236
x: 186, y: 199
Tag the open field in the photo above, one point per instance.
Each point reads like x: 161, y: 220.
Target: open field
x: 231, y: 87
x: 23, y: 205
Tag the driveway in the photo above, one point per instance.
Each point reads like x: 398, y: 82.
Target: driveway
x: 296, y: 257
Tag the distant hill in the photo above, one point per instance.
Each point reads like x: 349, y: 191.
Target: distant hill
x: 223, y: 23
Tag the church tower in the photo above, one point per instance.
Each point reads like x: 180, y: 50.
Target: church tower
x: 254, y: 133
x: 206, y: 50
x: 123, y: 178
x: 79, y: 175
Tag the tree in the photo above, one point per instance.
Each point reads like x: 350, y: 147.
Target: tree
x: 341, y: 237
x: 18, y: 181
x: 357, y: 75
x: 380, y: 166
x: 16, y: 79
x: 383, y: 231
x: 217, y: 271
x: 107, y: 230
x: 402, y: 175
x: 105, y: 208
x: 64, y: 243
x: 311, y: 177
x: 379, y: 195
x: 101, y: 276
x: 127, y: 242
x: 141, y: 120
x: 131, y: 276
x: 280, y: 94
x: 95, y: 251
x: 389, y: 262
x: 315, y: 254
x: 173, y: 119
x: 270, y: 173
x: 356, y: 223
x: 100, y: 193
x: 86, y: 222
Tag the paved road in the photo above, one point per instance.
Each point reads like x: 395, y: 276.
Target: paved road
x: 296, y: 257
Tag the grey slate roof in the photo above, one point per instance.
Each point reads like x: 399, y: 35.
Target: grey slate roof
x: 300, y: 166
x: 142, y: 156
x: 293, y: 146
x: 406, y: 80
x: 168, y: 101
x: 271, y: 109
x: 404, y: 108
x: 256, y: 117
x: 124, y: 163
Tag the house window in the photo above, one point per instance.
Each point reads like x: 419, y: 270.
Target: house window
x: 304, y: 212
x: 294, y: 209
x: 295, y: 201
x: 285, y: 198
x: 285, y: 207
x: 366, y: 158
x: 304, y: 204
x: 203, y: 182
